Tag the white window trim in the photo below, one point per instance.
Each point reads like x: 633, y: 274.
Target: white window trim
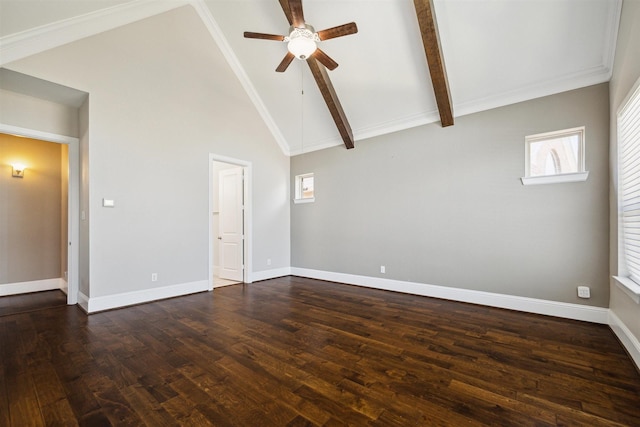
x: 298, y: 190
x: 307, y: 200
x: 629, y: 287
x: 579, y: 176
x: 555, y: 179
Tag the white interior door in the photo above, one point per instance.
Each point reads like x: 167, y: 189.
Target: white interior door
x: 231, y: 233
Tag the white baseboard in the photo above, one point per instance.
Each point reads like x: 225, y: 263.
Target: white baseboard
x: 64, y: 286
x: 626, y: 337
x: 32, y: 286
x: 109, y: 302
x: 257, y: 276
x: 83, y: 302
x: 511, y: 302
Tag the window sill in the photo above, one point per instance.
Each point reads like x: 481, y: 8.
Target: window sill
x: 555, y: 179
x: 629, y: 287
x: 309, y: 200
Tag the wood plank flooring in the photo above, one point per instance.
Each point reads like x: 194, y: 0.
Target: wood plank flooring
x: 23, y: 303
x: 302, y: 352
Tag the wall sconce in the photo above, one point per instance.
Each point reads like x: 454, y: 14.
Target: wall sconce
x: 17, y: 170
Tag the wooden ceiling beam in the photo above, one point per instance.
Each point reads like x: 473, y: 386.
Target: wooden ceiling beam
x: 435, y: 60
x: 333, y: 103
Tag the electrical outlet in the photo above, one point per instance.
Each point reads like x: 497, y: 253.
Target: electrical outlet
x: 584, y: 292
x: 154, y: 277
x: 383, y: 269
x: 268, y: 261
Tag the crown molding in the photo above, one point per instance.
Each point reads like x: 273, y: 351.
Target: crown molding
x: 216, y: 33
x: 26, y: 43
x: 30, y: 42
x: 396, y: 125
x: 611, y: 40
x: 595, y: 75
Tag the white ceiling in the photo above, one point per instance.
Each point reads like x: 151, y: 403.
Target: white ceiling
x: 496, y: 52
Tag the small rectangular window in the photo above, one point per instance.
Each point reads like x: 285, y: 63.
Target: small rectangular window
x: 555, y: 157
x: 304, y: 188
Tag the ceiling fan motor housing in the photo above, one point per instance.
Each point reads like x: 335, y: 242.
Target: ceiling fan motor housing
x: 302, y: 41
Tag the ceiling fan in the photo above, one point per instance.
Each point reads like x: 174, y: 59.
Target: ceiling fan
x: 302, y: 39
x: 302, y: 44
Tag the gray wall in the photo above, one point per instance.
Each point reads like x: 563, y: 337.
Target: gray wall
x: 30, y: 211
x: 161, y: 99
x: 626, y: 72
x: 446, y: 206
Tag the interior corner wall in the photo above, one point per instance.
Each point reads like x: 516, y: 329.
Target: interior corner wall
x: 30, y: 213
x: 162, y: 98
x: 626, y: 72
x: 445, y: 206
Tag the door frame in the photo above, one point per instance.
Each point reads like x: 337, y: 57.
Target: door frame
x: 248, y: 233
x: 73, y: 203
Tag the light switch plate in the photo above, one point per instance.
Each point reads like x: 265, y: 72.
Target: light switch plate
x: 108, y: 203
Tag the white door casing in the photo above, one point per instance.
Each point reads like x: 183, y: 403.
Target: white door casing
x: 231, y: 230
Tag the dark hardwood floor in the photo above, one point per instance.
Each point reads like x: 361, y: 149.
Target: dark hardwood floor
x: 23, y: 303
x: 301, y: 352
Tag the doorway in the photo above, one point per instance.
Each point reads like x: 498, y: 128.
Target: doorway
x: 229, y: 219
x: 69, y: 248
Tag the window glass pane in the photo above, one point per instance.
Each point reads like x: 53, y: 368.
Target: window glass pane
x: 304, y: 187
x: 555, y: 155
x: 307, y: 187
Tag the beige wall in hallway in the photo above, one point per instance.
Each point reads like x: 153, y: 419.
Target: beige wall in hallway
x: 30, y: 210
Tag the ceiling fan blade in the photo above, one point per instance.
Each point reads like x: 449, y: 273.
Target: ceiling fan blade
x: 433, y: 51
x: 284, y: 4
x: 339, y: 31
x: 285, y: 62
x: 262, y: 36
x: 324, y: 59
x: 297, y: 16
x: 332, y: 101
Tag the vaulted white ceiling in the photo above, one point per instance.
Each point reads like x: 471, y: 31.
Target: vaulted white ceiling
x: 496, y: 52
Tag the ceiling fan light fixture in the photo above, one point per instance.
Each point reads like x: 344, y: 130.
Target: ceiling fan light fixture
x: 302, y: 42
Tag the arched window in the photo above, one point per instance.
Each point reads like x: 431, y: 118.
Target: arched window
x: 552, y: 164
